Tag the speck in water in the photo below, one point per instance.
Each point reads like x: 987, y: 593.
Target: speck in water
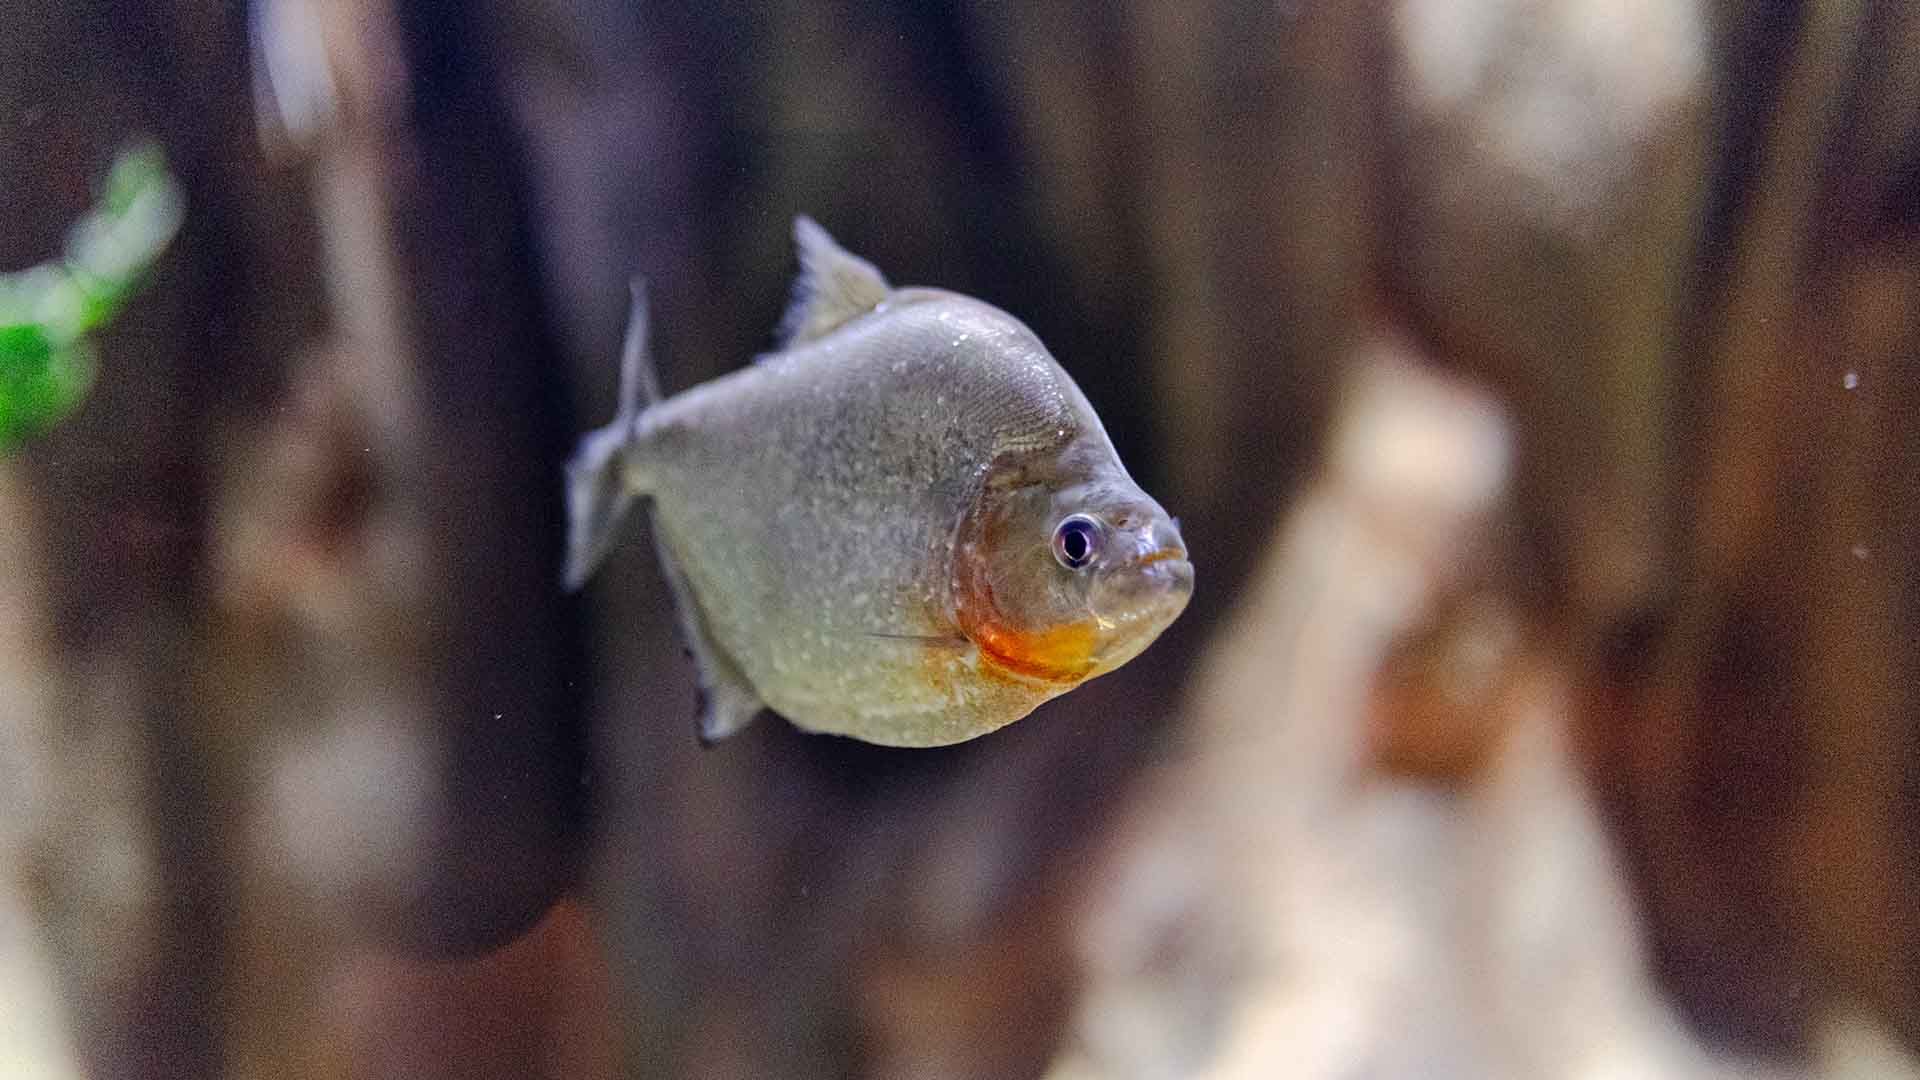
x: 1860, y: 552
x: 1850, y: 380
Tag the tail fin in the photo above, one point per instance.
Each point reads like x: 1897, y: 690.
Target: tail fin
x: 598, y: 494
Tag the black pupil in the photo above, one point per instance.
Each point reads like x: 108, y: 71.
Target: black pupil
x: 1076, y: 543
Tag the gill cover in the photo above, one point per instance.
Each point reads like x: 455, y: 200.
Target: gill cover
x: 1028, y: 615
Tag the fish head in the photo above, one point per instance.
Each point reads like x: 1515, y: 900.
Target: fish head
x: 1065, y: 569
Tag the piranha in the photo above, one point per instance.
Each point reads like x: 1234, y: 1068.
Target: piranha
x: 905, y: 525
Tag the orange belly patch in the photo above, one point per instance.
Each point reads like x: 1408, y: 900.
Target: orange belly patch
x: 1058, y: 654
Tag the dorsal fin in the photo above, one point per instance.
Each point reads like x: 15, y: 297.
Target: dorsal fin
x: 834, y: 285
x: 639, y: 382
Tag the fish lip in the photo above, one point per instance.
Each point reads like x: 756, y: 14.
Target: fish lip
x: 1152, y: 592
x: 1176, y: 581
x: 1160, y: 555
x: 1157, y: 569
x: 1142, y: 590
x: 1168, y: 567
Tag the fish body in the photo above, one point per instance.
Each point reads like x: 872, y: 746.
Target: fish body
x: 863, y: 529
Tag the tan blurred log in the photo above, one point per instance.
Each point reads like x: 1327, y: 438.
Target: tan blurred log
x: 1699, y: 578
x: 1759, y: 756
x: 298, y: 631
x: 125, y: 853
x: 1286, y: 898
x: 38, y: 1040
x: 1545, y: 175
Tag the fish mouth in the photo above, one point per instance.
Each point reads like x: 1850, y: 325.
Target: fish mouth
x: 1164, y: 554
x: 1146, y: 580
x: 1165, y: 570
x: 1177, y: 573
x: 1134, y: 603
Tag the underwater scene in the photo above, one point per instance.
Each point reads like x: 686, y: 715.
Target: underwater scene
x: 592, y: 539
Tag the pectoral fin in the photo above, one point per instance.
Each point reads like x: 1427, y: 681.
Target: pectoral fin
x: 728, y: 702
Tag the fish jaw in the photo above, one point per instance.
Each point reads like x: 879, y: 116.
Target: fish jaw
x: 1143, y: 586
x: 1129, y: 606
x: 1135, y: 603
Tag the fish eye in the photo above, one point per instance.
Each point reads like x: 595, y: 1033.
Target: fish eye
x: 1075, y: 540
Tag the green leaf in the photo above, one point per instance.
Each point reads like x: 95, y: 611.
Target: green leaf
x: 46, y: 362
x: 40, y: 381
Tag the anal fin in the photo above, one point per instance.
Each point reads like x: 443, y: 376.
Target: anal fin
x: 728, y: 702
